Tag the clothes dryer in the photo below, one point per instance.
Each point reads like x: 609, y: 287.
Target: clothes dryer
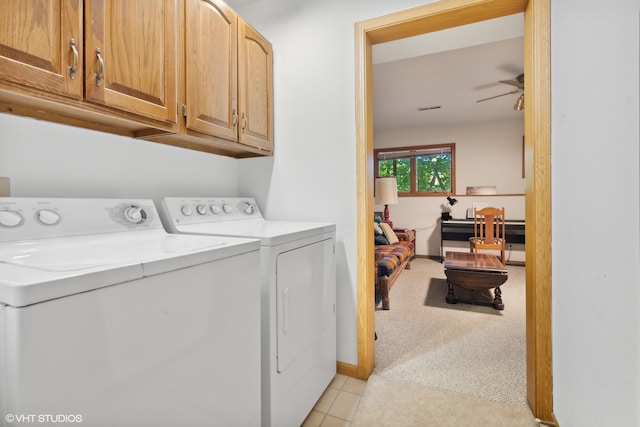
x: 108, y: 320
x: 298, y: 297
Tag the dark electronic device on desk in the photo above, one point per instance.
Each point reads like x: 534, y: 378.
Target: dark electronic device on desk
x: 446, y: 213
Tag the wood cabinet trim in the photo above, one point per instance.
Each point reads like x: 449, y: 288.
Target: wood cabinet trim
x: 115, y: 107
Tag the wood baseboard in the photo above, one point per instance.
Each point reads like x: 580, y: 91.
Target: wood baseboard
x: 434, y: 257
x: 347, y: 369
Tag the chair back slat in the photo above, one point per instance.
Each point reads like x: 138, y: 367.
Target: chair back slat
x: 488, y: 228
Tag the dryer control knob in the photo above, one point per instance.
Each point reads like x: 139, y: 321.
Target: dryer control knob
x: 48, y: 217
x: 134, y: 214
x: 247, y: 208
x: 201, y: 209
x: 215, y: 209
x: 227, y: 208
x: 10, y: 218
x: 186, y: 210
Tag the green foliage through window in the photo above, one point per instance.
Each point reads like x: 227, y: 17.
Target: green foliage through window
x: 401, y: 169
x: 433, y: 173
x: 423, y: 170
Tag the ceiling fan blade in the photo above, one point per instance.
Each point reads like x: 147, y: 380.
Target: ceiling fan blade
x: 513, y: 83
x: 486, y: 86
x: 498, y: 96
x: 518, y: 82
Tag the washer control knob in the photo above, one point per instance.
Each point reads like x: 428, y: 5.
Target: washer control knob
x: 186, y: 210
x: 48, y: 217
x: 215, y: 209
x: 10, y: 218
x: 247, y: 208
x: 227, y: 208
x: 201, y: 209
x: 134, y: 214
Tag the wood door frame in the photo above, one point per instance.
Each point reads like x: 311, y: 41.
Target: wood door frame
x: 437, y: 16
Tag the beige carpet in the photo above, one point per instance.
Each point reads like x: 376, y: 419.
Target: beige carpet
x: 462, y: 348
x: 439, y: 364
x: 388, y: 402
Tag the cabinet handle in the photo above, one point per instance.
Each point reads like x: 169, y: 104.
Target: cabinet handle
x: 74, y: 62
x: 244, y: 122
x: 235, y: 118
x: 100, y: 72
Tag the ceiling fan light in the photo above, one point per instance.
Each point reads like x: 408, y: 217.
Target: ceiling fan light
x: 519, y: 105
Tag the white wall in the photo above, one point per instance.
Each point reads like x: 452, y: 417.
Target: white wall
x: 488, y: 153
x: 312, y: 175
x: 50, y: 160
x: 595, y: 195
x: 497, y: 144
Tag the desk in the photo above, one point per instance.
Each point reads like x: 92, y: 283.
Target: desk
x: 477, y: 273
x: 462, y: 229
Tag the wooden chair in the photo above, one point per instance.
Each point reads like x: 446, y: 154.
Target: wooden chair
x: 488, y: 230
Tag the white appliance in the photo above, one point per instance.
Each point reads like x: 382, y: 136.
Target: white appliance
x: 108, y: 320
x: 298, y: 297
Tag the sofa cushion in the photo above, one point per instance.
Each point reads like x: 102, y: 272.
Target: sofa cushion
x: 387, y: 265
x: 389, y: 233
x: 381, y: 240
x: 377, y: 229
x: 391, y: 256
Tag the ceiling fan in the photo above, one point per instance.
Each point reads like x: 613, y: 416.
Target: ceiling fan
x: 518, y: 83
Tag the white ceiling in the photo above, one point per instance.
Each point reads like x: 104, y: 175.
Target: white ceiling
x: 452, y: 69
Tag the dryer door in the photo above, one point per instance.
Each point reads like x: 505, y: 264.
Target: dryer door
x: 305, y: 298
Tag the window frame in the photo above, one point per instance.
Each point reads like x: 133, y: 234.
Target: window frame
x: 412, y: 150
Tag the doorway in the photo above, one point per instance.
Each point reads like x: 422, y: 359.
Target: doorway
x: 437, y: 16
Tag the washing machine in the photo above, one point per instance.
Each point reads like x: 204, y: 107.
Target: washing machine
x: 108, y: 320
x: 298, y: 297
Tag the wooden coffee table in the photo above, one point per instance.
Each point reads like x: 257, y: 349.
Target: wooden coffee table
x: 478, y: 273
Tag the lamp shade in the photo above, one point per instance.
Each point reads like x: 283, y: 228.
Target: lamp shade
x: 386, y: 191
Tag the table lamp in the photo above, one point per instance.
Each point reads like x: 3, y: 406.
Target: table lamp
x: 446, y: 214
x: 386, y: 194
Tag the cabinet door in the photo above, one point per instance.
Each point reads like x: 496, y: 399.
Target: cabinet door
x: 131, y: 56
x: 41, y: 45
x: 255, y: 88
x: 211, y: 68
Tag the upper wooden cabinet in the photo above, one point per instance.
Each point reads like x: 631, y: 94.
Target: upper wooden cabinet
x: 229, y: 76
x: 255, y: 88
x: 189, y: 73
x: 41, y: 45
x: 130, y: 52
x: 211, y: 64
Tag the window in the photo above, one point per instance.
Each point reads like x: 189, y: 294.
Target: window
x: 427, y: 170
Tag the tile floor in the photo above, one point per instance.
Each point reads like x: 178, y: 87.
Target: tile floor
x: 338, y: 403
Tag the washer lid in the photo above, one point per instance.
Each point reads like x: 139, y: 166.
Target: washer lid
x: 270, y: 233
x: 38, y: 270
x: 21, y: 286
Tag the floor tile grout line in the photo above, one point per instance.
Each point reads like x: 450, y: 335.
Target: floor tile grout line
x: 336, y: 399
x: 339, y: 387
